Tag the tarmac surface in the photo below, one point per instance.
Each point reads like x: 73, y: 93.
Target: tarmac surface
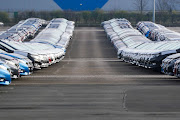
x: 91, y: 84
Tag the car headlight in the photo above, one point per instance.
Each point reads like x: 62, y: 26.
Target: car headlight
x: 173, y: 61
x: 155, y: 55
x: 41, y: 57
x: 22, y: 61
x: 3, y: 67
x: 2, y: 79
x: 9, y: 62
x: 36, y: 58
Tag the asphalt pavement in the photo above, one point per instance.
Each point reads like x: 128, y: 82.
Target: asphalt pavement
x: 91, y: 83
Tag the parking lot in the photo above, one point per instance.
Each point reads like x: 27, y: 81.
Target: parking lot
x: 91, y: 83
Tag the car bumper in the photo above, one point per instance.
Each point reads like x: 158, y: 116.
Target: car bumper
x: 15, y: 76
x: 5, y: 82
x: 37, y: 66
x: 44, y: 65
x: 24, y: 73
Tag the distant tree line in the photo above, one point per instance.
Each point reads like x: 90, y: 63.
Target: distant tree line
x: 4, y: 17
x: 161, y: 5
x: 94, y: 18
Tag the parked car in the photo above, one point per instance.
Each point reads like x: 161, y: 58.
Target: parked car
x: 13, y: 64
x: 5, y: 77
x: 47, y: 48
x: 167, y: 66
x: 177, y: 68
x: 133, y: 47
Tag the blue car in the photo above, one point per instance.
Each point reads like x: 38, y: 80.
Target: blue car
x: 5, y: 77
x: 24, y: 62
x: 23, y: 68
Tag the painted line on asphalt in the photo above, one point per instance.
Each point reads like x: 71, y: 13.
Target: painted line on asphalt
x: 81, y: 60
x: 100, y: 76
x: 88, y: 30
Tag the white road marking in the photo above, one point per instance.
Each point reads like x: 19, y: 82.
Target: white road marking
x: 100, y: 76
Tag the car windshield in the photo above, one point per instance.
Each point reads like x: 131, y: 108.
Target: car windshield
x: 2, y: 51
x: 19, y: 46
x: 7, y: 46
x: 38, y: 46
x: 167, y: 46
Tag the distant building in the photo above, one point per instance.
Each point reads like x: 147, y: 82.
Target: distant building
x: 126, y: 5
x: 75, y: 5
x: 28, y: 5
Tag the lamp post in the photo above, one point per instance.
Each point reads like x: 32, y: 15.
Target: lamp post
x: 154, y: 11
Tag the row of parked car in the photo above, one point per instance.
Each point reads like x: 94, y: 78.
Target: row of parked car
x: 157, y: 32
x: 23, y: 30
x: 171, y: 64
x: 47, y: 48
x: 134, y: 47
